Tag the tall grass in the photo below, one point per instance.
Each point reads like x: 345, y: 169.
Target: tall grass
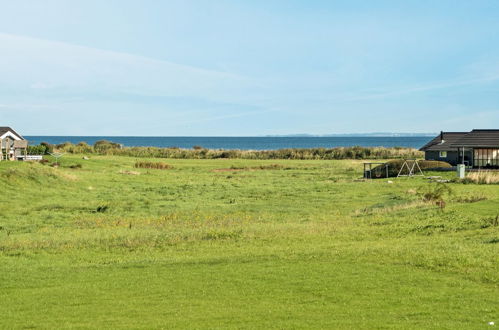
x: 484, y: 177
x: 153, y: 165
x: 113, y: 149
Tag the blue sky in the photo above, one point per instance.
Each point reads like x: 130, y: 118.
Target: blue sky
x: 225, y: 68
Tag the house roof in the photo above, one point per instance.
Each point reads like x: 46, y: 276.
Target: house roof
x: 447, y: 144
x: 4, y: 130
x: 487, y: 138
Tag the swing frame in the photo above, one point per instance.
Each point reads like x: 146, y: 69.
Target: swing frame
x: 412, y: 170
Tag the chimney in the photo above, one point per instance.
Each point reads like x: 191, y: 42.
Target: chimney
x: 442, y: 141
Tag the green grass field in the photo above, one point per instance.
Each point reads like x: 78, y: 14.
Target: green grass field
x: 242, y: 244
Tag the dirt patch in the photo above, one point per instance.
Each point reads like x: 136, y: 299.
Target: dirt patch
x: 130, y: 172
x: 227, y: 170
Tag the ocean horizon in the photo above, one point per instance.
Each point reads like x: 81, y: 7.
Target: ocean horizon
x: 244, y: 143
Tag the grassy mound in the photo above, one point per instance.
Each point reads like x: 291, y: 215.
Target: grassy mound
x: 16, y: 173
x: 394, y: 167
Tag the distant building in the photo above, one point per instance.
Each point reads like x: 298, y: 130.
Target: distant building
x: 13, y: 145
x: 478, y: 148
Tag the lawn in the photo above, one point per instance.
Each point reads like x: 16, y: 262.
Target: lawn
x: 242, y: 244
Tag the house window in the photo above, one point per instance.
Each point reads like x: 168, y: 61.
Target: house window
x: 443, y: 154
x: 486, y: 158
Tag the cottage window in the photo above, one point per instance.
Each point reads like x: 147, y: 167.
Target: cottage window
x: 486, y: 158
x: 443, y: 154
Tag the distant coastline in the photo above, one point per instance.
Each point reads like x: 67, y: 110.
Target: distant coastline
x: 380, y: 134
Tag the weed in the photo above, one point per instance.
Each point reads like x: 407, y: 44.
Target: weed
x: 222, y: 235
x: 435, y: 192
x: 493, y: 241
x: 471, y: 198
x: 490, y: 222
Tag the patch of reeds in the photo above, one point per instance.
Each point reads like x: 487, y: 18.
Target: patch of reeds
x: 153, y: 165
x: 483, y: 177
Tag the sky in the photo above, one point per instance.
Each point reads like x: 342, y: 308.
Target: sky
x: 247, y: 68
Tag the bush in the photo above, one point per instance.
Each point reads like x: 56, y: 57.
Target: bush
x: 103, y: 145
x: 435, y: 193
x: 63, y: 146
x: 37, y: 150
x: 48, y: 147
x: 80, y: 148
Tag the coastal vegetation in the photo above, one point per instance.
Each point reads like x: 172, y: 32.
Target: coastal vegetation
x: 100, y: 242
x: 197, y: 152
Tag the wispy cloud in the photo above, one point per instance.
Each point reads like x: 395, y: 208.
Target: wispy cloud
x: 395, y: 92
x: 228, y: 116
x: 72, y: 69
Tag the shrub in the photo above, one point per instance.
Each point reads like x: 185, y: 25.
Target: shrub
x: 103, y: 145
x: 83, y: 148
x: 37, y: 150
x: 63, y: 146
x: 80, y: 148
x: 435, y: 193
x: 153, y: 165
x: 48, y: 147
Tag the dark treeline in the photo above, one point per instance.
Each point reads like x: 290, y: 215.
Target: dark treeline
x: 114, y: 149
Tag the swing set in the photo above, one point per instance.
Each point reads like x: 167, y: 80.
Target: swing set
x: 409, y: 168
x: 413, y: 168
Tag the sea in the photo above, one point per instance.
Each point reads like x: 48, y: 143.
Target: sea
x: 244, y: 143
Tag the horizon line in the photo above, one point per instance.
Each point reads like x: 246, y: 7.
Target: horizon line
x: 251, y: 136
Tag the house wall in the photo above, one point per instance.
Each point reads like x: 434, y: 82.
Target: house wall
x: 452, y: 158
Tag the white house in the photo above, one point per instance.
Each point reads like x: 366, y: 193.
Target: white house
x: 13, y: 145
